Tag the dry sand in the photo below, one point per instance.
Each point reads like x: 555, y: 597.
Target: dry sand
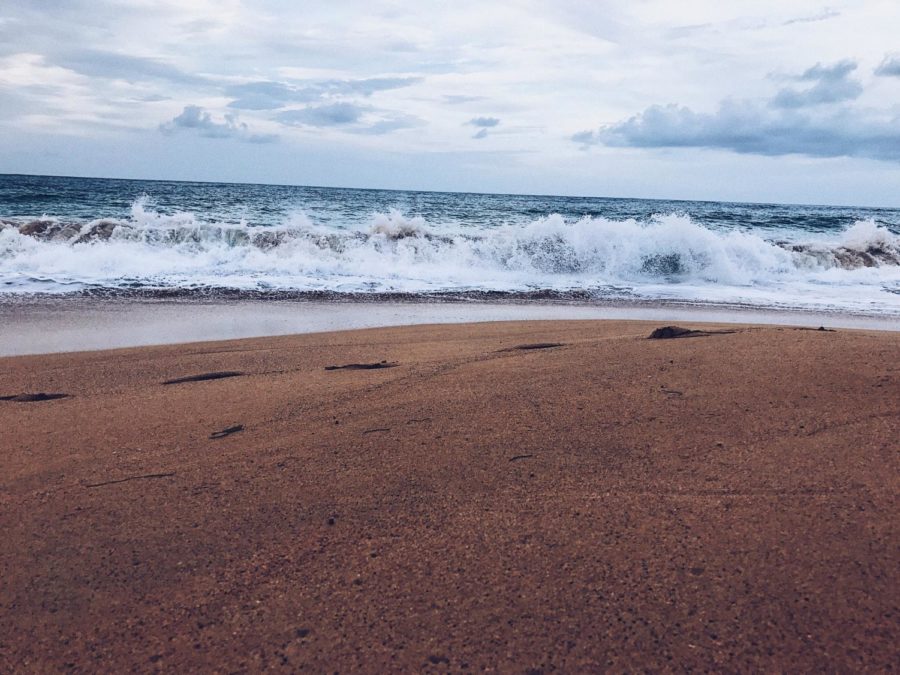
x: 725, y: 501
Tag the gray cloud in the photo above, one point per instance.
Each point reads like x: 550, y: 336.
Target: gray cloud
x: 368, y: 86
x: 837, y: 71
x: 112, y: 65
x: 267, y: 95
x: 349, y: 117
x: 749, y: 128
x: 792, y: 122
x: 484, y: 122
x: 458, y: 99
x: 154, y: 98
x: 831, y: 85
x: 586, y: 138
x: 194, y: 118
x: 328, y: 115
x: 890, y: 67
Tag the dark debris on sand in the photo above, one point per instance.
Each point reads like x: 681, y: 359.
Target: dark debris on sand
x: 362, y: 366
x: 671, y: 332
x: 205, y: 376
x: 31, y: 398
x: 227, y: 432
x: 536, y: 345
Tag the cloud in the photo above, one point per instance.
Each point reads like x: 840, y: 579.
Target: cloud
x: 824, y: 15
x: 350, y: 117
x: 890, y: 67
x: 267, y: 95
x: 751, y: 128
x: 838, y: 71
x: 270, y: 95
x: 112, y: 65
x: 391, y: 122
x: 328, y: 115
x: 831, y: 85
x: 196, y: 119
x: 792, y: 122
x: 458, y: 99
x: 586, y: 138
x: 154, y: 98
x: 484, y: 122
x: 368, y: 86
x: 738, y: 24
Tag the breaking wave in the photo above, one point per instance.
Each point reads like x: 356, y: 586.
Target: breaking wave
x: 666, y: 255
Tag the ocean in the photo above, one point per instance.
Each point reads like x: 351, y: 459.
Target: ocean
x: 101, y: 237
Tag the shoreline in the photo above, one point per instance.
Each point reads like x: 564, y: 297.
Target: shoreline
x: 507, y: 496
x: 48, y: 324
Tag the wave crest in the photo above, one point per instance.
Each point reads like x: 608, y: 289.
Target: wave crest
x: 394, y: 252
x: 864, y: 244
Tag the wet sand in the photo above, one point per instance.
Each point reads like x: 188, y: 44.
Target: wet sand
x: 453, y: 501
x: 43, y: 324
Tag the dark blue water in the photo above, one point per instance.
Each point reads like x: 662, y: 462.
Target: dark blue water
x: 90, y: 198
x: 85, y: 234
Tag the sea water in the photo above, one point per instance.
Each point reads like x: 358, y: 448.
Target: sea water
x: 84, y: 236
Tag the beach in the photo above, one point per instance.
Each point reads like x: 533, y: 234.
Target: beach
x: 449, y: 338
x: 519, y: 496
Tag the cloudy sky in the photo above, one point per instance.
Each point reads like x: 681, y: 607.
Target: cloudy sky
x: 758, y: 100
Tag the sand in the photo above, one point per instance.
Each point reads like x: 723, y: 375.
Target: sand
x: 723, y: 501
x: 42, y: 324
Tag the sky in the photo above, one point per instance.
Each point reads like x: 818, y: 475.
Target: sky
x: 762, y: 100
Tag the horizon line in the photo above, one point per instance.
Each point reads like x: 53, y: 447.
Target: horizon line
x: 455, y: 192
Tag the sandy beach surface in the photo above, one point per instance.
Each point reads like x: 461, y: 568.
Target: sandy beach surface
x: 516, y: 497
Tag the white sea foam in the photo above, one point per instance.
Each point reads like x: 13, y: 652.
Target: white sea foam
x: 666, y: 256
